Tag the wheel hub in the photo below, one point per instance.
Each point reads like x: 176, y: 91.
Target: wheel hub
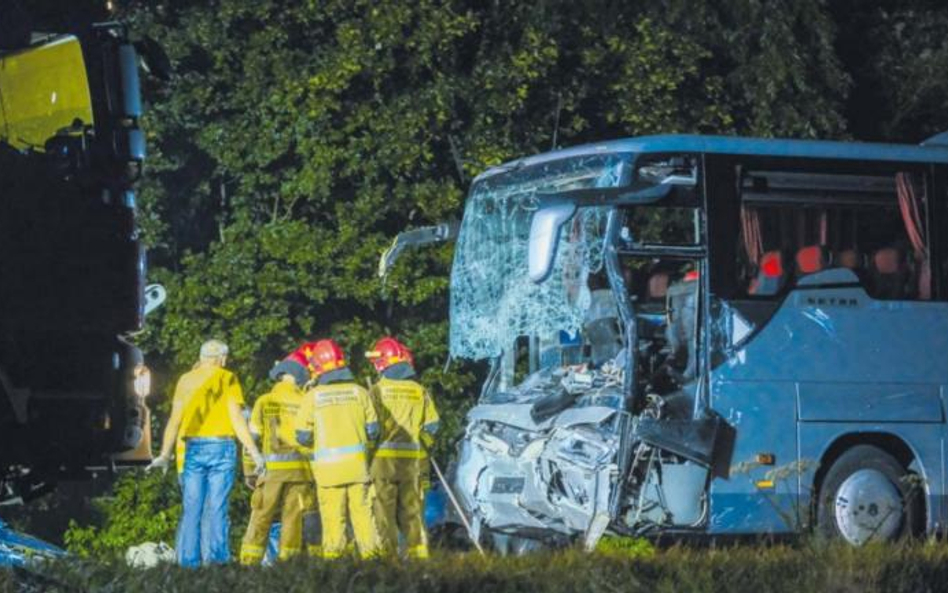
x: 868, y: 506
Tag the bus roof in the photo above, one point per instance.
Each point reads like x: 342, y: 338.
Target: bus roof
x: 933, y: 152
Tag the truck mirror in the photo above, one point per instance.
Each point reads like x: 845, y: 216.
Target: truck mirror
x: 544, y: 238
x: 155, y: 295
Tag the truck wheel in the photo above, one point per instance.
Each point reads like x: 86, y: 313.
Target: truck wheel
x: 868, y: 495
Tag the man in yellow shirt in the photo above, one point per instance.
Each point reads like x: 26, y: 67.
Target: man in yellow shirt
x: 338, y: 418
x: 205, y: 418
x: 287, y: 488
x: 409, y: 422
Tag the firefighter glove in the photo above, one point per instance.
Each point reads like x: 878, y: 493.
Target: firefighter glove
x: 260, y: 465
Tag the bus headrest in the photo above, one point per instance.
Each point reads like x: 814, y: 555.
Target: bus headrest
x: 770, y: 276
x: 812, y: 259
x: 887, y: 260
x: 658, y: 285
x: 771, y: 264
x: 849, y: 258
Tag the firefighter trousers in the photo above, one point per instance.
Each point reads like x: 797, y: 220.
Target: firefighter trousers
x: 348, y: 503
x: 399, y: 508
x: 292, y: 500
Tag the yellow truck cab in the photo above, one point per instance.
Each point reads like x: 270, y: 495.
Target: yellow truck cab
x: 43, y: 89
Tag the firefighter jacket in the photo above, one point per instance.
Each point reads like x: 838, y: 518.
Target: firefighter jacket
x: 272, y: 427
x: 205, y: 393
x: 408, y: 421
x: 340, y: 420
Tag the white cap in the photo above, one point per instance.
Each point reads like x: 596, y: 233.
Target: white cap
x: 213, y: 349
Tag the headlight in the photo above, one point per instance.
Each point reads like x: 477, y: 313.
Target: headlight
x: 142, y: 376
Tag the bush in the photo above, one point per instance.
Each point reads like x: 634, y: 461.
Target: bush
x: 143, y: 507
x: 625, y: 547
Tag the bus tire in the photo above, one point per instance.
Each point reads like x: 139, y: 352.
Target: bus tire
x: 868, y: 495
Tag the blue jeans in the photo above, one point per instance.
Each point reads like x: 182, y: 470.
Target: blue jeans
x: 206, y: 482
x: 273, y: 544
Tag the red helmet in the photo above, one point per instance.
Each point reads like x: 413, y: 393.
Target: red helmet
x: 389, y: 351
x: 326, y: 355
x: 303, y: 356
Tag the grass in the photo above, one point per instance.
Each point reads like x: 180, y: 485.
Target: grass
x: 797, y: 568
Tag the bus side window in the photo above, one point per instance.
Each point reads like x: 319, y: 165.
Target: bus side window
x: 796, y: 224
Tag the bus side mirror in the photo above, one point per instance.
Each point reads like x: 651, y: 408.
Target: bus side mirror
x: 544, y: 237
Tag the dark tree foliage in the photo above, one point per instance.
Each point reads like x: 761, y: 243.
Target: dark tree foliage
x: 897, y: 52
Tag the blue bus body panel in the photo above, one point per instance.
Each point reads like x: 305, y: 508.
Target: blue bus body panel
x: 841, y: 335
x: 831, y: 362
x: 688, y: 143
x: 876, y: 402
x: 21, y: 550
x: 763, y: 415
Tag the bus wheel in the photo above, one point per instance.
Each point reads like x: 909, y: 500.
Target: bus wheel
x: 868, y: 495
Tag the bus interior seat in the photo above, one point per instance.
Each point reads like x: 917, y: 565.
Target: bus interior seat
x: 658, y: 286
x: 812, y: 259
x: 849, y: 258
x: 652, y: 308
x: 601, y: 327
x: 888, y: 274
x: 681, y: 330
x: 771, y: 275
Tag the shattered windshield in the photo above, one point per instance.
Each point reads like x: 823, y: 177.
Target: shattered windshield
x: 493, y: 300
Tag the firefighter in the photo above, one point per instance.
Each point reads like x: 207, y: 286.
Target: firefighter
x: 206, y: 415
x: 287, y: 487
x: 409, y: 422
x: 338, y: 419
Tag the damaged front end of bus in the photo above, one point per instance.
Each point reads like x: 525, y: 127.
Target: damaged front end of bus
x: 580, y: 279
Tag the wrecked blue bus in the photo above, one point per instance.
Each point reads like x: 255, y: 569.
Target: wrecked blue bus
x: 704, y: 335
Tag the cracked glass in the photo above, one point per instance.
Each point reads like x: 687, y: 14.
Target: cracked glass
x: 493, y: 300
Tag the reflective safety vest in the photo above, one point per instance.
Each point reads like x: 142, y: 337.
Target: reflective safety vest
x: 408, y: 419
x: 271, y: 425
x: 341, y: 418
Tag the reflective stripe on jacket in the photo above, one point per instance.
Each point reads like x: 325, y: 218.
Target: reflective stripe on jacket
x: 271, y: 424
x: 341, y: 419
x: 408, y: 418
